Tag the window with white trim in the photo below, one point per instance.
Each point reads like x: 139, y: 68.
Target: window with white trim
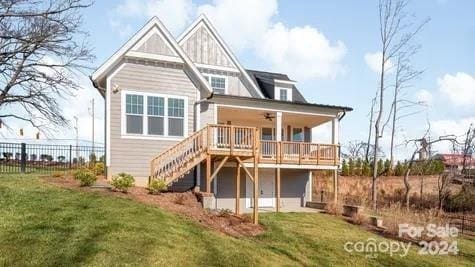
x: 283, y: 94
x: 218, y: 83
x: 176, y: 117
x: 154, y: 115
x: 134, y: 113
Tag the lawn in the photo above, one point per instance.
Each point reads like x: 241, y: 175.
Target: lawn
x: 44, y: 225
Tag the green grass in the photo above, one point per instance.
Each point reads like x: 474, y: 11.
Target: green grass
x: 41, y: 224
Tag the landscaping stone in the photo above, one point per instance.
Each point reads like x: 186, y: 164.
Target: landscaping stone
x: 316, y: 205
x: 350, y: 211
x: 376, y: 221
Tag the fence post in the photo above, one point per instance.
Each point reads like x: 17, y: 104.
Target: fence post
x: 23, y: 158
x: 70, y: 156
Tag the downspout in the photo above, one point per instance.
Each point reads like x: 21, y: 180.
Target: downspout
x: 340, y: 117
x: 197, y: 127
x: 105, y: 126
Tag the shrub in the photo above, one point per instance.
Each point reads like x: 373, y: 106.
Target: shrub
x: 157, y: 186
x: 85, y: 177
x: 99, y: 168
x: 345, y: 171
x: 122, y: 182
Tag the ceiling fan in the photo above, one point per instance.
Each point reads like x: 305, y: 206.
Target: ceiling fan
x: 269, y: 116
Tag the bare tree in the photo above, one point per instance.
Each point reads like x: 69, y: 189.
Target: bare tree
x: 468, y: 148
x: 42, y: 53
x: 404, y: 75
x: 396, y: 31
x: 420, y: 143
x: 370, y: 130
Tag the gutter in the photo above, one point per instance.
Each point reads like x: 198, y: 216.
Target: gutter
x: 342, y: 116
x: 101, y: 91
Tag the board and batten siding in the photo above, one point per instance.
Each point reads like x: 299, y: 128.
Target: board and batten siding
x: 133, y: 155
x: 201, y: 47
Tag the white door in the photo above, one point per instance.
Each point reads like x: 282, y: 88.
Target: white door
x: 266, y: 190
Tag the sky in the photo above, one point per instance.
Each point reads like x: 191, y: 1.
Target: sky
x: 331, y: 48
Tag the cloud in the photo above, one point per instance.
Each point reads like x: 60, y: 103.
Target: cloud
x: 302, y: 52
x: 460, y: 88
x: 424, y: 96
x: 175, y: 14
x: 241, y: 23
x: 449, y: 127
x: 373, y: 60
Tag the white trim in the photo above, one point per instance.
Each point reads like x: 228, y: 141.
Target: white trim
x: 144, y: 55
x: 220, y: 68
x: 108, y: 112
x: 277, y: 93
x: 276, y: 110
x: 145, y: 134
x: 102, y: 70
x: 285, y: 81
x: 210, y: 75
x: 147, y: 37
x: 193, y: 27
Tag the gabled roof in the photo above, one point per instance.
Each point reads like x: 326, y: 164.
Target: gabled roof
x: 202, y: 19
x: 266, y: 82
x: 102, y: 71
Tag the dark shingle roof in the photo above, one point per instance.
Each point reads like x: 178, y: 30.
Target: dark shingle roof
x: 265, y: 81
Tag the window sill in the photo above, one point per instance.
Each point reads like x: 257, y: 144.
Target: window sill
x: 151, y: 137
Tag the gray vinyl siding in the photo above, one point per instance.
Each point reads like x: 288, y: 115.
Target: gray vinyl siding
x: 235, y: 84
x: 133, y: 155
x: 156, y: 45
x: 201, y: 47
x: 208, y: 110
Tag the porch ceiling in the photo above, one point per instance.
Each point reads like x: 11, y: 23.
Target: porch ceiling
x: 256, y: 117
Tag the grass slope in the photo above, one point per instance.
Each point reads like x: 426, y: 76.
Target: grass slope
x: 44, y: 225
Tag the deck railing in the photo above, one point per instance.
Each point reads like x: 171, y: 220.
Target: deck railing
x: 238, y: 141
x: 298, y: 153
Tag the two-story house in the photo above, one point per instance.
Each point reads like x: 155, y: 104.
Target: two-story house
x: 185, y: 110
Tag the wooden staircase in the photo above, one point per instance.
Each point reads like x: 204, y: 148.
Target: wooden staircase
x: 180, y: 159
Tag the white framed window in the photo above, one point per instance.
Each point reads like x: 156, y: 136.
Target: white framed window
x: 134, y: 113
x: 153, y: 116
x: 297, y: 134
x: 284, y: 94
x: 219, y: 83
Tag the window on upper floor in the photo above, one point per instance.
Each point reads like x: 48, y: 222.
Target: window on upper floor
x: 218, y: 83
x: 284, y: 94
x: 154, y: 115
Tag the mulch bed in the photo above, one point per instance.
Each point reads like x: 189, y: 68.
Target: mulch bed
x: 185, y: 204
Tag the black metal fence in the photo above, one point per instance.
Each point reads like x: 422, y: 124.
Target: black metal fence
x: 40, y: 158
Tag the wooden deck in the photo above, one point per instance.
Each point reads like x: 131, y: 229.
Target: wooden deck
x: 241, y: 145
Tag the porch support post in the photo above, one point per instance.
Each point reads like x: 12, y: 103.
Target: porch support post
x: 335, y: 185
x: 278, y: 126
x: 277, y: 190
x: 208, y: 174
x: 335, y: 141
x: 256, y: 191
x: 238, y: 187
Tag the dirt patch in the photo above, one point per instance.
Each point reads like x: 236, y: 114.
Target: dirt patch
x: 185, y: 204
